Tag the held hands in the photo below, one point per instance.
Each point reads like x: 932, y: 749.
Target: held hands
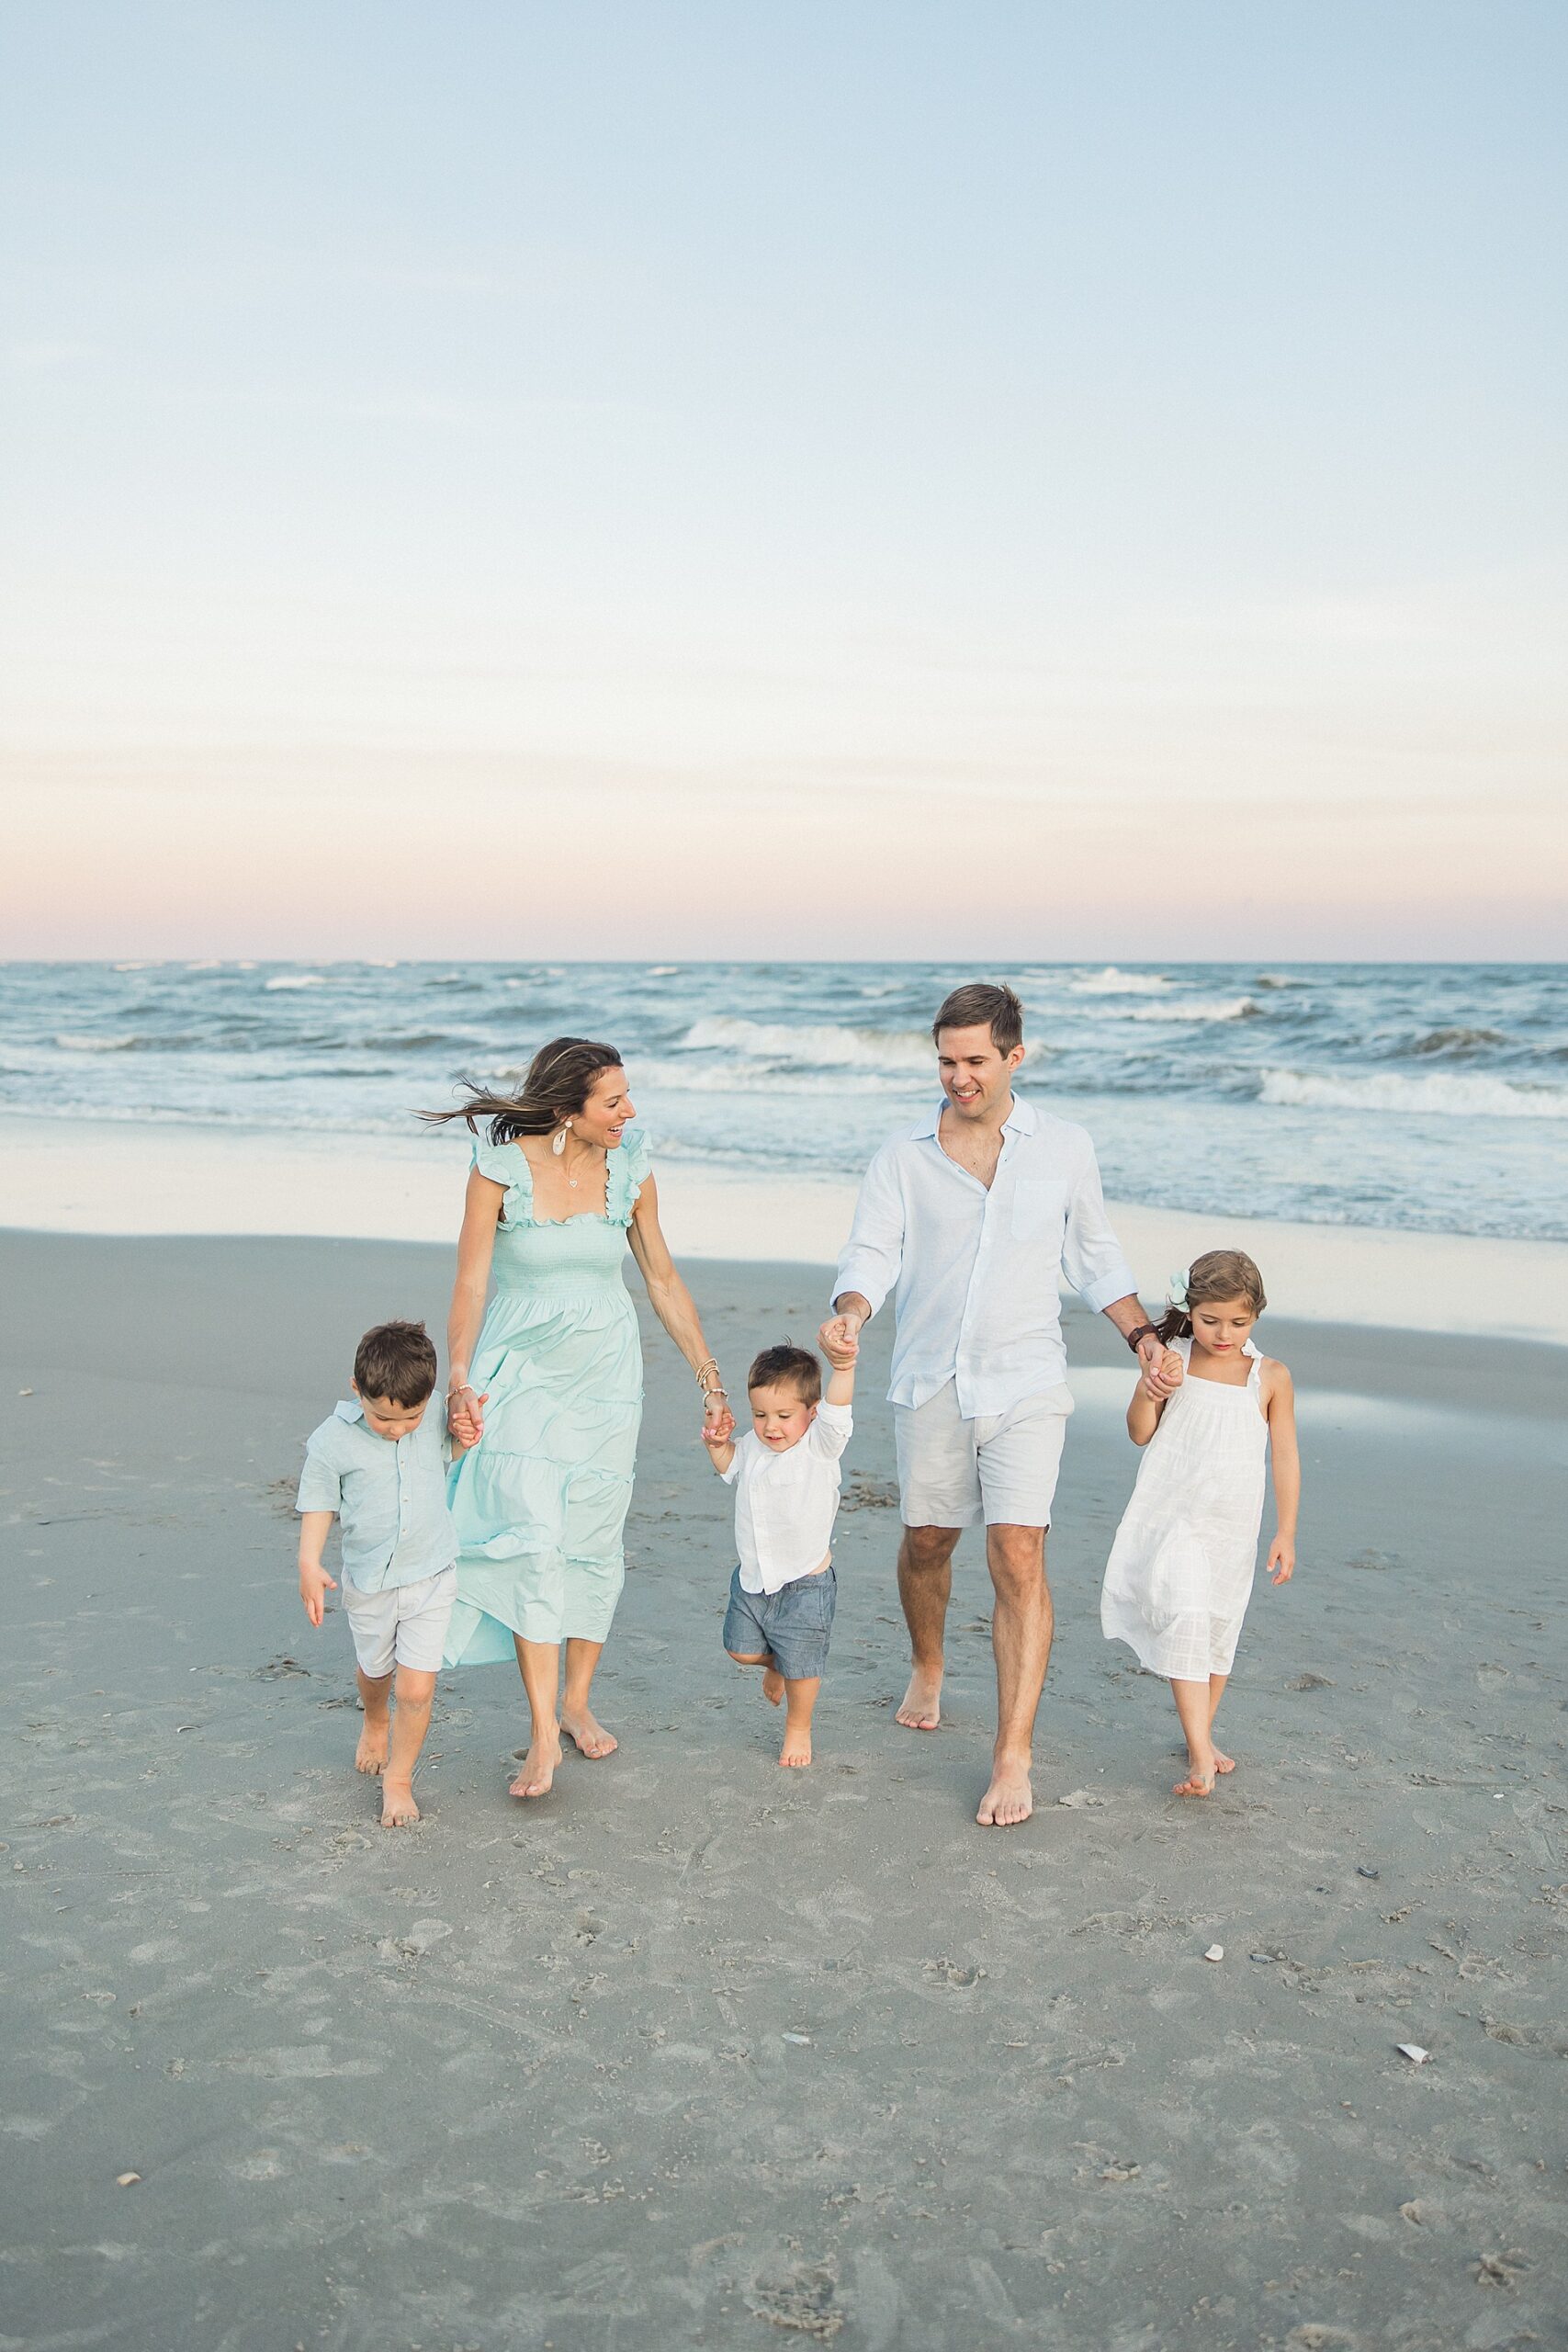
x: 314, y: 1585
x: 839, y: 1340
x: 717, y: 1434
x: 1282, y: 1559
x: 1163, y: 1369
x: 465, y: 1414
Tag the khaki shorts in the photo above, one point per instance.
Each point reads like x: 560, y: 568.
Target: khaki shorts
x: 403, y: 1625
x: 1000, y: 1468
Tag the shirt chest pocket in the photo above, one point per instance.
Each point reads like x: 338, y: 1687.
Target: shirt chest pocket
x: 1039, y: 1210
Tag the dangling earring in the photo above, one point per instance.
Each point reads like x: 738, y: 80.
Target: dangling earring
x: 558, y: 1146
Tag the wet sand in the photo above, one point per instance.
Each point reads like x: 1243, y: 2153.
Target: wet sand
x: 698, y: 2052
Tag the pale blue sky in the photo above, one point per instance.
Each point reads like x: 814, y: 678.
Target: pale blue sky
x: 821, y: 479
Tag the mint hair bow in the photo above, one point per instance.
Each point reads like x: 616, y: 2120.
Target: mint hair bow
x: 1175, y: 1290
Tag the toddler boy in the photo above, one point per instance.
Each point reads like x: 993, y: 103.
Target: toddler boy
x: 378, y: 1466
x: 786, y: 1473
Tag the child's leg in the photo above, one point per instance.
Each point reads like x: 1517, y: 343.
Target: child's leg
x: 410, y: 1721
x: 1193, y: 1706
x: 1222, y: 1763
x: 800, y: 1697
x: 375, y: 1689
x: 773, y: 1680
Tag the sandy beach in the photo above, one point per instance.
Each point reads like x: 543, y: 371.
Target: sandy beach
x: 699, y: 2053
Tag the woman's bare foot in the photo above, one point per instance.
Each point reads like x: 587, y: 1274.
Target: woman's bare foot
x: 539, y: 1771
x: 587, y: 1735
x: 1009, y: 1800
x: 772, y: 1690
x: 399, y: 1810
x: 370, y: 1756
x: 921, y: 1710
x: 1199, y: 1781
x: 796, y: 1748
x: 1223, y: 1763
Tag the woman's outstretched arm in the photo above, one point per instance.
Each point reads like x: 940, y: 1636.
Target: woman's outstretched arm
x: 475, y: 1246
x: 670, y: 1300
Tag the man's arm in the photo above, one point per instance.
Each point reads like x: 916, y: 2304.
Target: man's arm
x: 1093, y: 1263
x: 872, y: 1256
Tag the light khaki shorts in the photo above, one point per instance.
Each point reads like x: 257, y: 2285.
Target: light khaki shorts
x: 404, y: 1625
x: 1000, y: 1468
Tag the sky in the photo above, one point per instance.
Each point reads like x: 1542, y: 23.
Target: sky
x: 805, y: 477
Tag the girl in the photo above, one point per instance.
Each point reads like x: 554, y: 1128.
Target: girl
x: 1180, y: 1575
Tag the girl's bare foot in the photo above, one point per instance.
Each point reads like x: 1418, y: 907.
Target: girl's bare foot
x: 1223, y: 1763
x: 772, y: 1692
x: 399, y: 1810
x: 370, y: 1756
x: 921, y: 1709
x: 796, y: 1748
x: 587, y: 1735
x: 538, y: 1772
x: 1199, y: 1781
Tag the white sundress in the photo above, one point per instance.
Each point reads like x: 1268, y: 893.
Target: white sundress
x: 1180, y: 1575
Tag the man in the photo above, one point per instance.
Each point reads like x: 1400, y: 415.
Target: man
x: 970, y: 1219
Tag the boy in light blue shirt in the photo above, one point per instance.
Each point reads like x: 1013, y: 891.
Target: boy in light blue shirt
x: 378, y: 1466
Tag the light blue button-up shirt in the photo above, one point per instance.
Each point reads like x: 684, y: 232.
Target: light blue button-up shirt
x: 976, y: 1274
x: 390, y: 1494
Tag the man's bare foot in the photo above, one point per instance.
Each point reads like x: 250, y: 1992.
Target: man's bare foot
x: 1009, y: 1800
x: 539, y: 1771
x: 772, y: 1688
x: 399, y: 1810
x: 796, y: 1748
x: 921, y: 1710
x: 1199, y: 1781
x: 1223, y: 1763
x: 587, y: 1735
x: 370, y: 1756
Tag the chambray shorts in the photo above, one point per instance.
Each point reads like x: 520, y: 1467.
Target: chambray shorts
x: 792, y: 1625
x: 1001, y: 1469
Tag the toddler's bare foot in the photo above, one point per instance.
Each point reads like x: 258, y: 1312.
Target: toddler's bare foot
x: 1199, y: 1781
x: 587, y: 1735
x: 796, y: 1748
x: 399, y: 1810
x: 1009, y: 1800
x: 539, y: 1771
x: 1223, y: 1763
x: 772, y: 1692
x: 370, y: 1756
x: 921, y: 1710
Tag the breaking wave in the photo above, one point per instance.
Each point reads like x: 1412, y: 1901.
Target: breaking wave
x: 1440, y: 1095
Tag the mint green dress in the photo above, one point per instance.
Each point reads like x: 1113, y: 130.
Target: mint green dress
x: 540, y: 1503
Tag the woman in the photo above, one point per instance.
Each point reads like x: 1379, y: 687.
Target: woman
x: 551, y: 1396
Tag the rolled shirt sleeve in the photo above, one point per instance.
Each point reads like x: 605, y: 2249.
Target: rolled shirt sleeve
x: 1091, y: 1255
x: 320, y: 1482
x: 873, y: 1253
x: 830, y: 1432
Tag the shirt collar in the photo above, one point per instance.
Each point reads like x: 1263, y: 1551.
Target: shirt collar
x: 1022, y: 1120
x: 351, y: 1409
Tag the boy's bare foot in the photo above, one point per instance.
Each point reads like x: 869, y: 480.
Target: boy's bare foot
x: 772, y: 1692
x: 399, y: 1810
x: 1199, y: 1781
x: 1009, y: 1800
x: 587, y: 1735
x: 921, y: 1710
x: 370, y: 1756
x: 539, y: 1771
x: 796, y: 1748
x: 1223, y: 1763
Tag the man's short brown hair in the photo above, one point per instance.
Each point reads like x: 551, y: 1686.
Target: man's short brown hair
x: 395, y: 1361
x: 979, y: 1005
x: 787, y: 1366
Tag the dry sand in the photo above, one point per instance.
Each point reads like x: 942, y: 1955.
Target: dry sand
x: 701, y: 2053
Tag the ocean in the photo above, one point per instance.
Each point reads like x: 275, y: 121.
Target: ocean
x: 1431, y: 1096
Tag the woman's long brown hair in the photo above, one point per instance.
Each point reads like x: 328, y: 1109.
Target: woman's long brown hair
x: 561, y: 1077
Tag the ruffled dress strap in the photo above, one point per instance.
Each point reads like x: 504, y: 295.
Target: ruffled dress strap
x: 629, y: 1170
x: 503, y: 1163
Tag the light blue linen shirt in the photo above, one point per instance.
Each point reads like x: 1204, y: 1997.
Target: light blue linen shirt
x: 977, y: 1274
x: 390, y: 1495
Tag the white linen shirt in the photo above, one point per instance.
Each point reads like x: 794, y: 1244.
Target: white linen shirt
x: 786, y: 1503
x: 977, y: 1272
x: 390, y: 1494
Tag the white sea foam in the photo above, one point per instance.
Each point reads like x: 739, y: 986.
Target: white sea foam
x: 1111, y: 982
x: 821, y: 1045
x: 1440, y: 1095
x: 663, y: 971
x: 69, y: 1042
x: 1229, y: 1008
x: 294, y: 980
